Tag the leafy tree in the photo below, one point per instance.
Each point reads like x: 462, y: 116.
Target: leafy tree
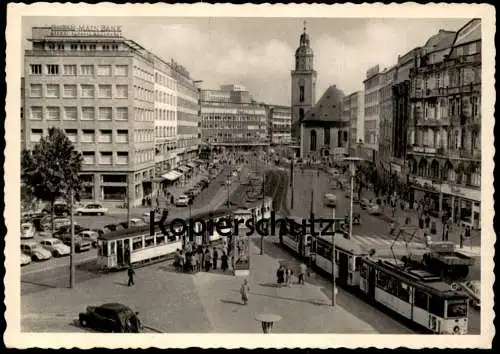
x: 50, y: 170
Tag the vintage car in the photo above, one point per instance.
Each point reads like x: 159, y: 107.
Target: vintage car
x: 27, y: 230
x: 81, y: 245
x: 112, y: 317
x: 330, y: 200
x: 55, y: 246
x: 35, y: 251
x: 90, y: 236
x: 373, y: 209
x: 91, y: 209
x: 25, y: 259
x: 183, y: 200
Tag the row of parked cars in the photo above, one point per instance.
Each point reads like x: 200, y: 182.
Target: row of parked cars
x: 62, y: 209
x: 192, y: 193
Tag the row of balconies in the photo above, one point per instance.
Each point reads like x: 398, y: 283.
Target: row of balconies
x: 447, y: 63
x: 445, y: 121
x: 417, y: 94
x: 445, y: 152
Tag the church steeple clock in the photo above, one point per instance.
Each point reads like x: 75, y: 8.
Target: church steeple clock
x: 303, y: 83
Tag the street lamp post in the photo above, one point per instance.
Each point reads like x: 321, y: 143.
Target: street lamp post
x: 352, y: 169
x: 291, y: 184
x: 72, y: 276
x: 334, y: 266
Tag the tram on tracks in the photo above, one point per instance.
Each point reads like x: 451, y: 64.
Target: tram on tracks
x: 415, y: 294
x: 138, y: 245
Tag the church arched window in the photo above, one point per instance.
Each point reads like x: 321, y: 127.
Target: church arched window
x: 327, y: 136
x: 301, y: 93
x: 301, y: 113
x: 313, y: 140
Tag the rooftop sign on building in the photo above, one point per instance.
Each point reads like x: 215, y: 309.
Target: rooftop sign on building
x: 85, y: 31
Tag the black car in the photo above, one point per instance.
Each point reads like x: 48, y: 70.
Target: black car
x: 63, y: 230
x: 112, y: 317
x: 60, y: 209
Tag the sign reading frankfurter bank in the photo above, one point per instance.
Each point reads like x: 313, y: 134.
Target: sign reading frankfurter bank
x: 85, y: 31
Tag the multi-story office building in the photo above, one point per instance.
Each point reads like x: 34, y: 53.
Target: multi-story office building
x: 120, y: 105
x: 387, y: 80
x: 230, y: 118
x: 188, y: 114
x: 353, y: 111
x: 166, y: 141
x: 99, y: 88
x: 372, y: 109
x: 445, y: 124
x: 279, y: 122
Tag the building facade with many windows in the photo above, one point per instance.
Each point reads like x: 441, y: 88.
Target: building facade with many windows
x: 372, y: 85
x: 279, y: 120
x: 353, y: 111
x: 387, y: 80
x: 445, y: 125
x: 188, y: 114
x: 230, y: 118
x: 166, y: 142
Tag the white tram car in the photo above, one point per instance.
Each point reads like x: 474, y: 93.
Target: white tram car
x: 415, y: 294
x: 348, y: 256
x: 136, y: 246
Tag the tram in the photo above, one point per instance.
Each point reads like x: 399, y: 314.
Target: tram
x: 348, y: 257
x: 415, y: 294
x: 293, y: 237
x: 137, y: 246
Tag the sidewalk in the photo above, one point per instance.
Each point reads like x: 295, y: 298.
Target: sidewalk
x: 201, y: 303
x: 453, y: 235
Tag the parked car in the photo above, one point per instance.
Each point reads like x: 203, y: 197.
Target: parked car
x: 330, y: 200
x: 364, y: 203
x: 55, y: 246
x: 112, y: 317
x: 60, y: 209
x: 81, y: 245
x: 373, y: 209
x: 25, y: 259
x: 138, y: 222
x: 92, y: 209
x: 66, y: 229
x: 90, y: 236
x: 145, y: 217
x: 27, y: 230
x: 35, y: 251
x: 183, y: 200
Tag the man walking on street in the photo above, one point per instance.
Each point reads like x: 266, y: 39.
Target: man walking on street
x: 131, y: 274
x: 302, y: 273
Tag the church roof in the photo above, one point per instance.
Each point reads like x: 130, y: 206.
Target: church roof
x: 328, y: 108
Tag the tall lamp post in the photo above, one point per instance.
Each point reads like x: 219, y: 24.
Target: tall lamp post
x: 291, y: 183
x: 352, y: 169
x: 334, y: 265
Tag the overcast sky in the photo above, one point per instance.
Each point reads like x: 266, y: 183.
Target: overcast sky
x: 258, y: 53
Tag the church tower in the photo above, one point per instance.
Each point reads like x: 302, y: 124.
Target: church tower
x: 303, y: 83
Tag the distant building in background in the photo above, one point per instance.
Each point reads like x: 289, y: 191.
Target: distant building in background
x: 445, y: 124
x: 279, y: 120
x: 353, y: 111
x: 324, y: 132
x: 303, y: 84
x: 230, y: 118
x: 372, y: 85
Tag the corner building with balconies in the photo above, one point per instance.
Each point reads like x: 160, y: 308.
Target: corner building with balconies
x: 444, y: 131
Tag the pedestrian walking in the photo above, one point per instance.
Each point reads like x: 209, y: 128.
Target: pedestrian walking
x: 215, y: 258
x: 302, y: 273
x: 427, y: 221
x: 280, y: 275
x: 223, y: 262
x: 207, y: 260
x: 244, y: 290
x: 131, y: 274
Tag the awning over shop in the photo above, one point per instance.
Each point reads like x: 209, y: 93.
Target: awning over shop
x: 192, y: 165
x: 171, y: 175
x: 184, y: 168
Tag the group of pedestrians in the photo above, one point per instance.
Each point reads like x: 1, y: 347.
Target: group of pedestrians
x: 285, y: 275
x: 194, y: 258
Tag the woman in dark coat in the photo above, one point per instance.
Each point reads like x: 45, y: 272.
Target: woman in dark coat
x: 280, y: 274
